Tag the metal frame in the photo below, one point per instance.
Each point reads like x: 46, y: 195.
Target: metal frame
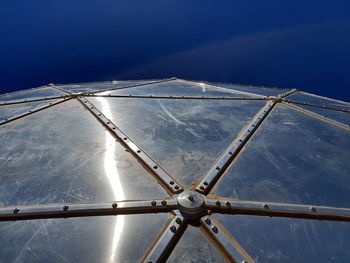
x: 173, y: 230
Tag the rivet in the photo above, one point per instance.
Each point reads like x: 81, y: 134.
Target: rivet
x: 265, y: 206
x: 207, y: 220
x: 218, y: 203
x: 114, y: 205
x: 230, y: 153
x: 99, y: 114
x: 217, y: 168
x: 15, y: 211
x: 153, y: 203
x: 113, y: 128
x: 125, y: 138
x: 228, y: 204
x: 313, y: 209
x: 171, y: 182
x: 176, y: 187
x: 240, y: 140
x: 205, y: 183
x: 201, y: 187
x: 138, y: 151
x: 155, y: 167
x: 248, y: 130
x: 173, y: 229
x: 91, y: 107
x: 178, y: 220
x: 190, y: 197
x: 108, y: 122
x: 164, y: 203
x: 65, y: 208
x: 215, y: 229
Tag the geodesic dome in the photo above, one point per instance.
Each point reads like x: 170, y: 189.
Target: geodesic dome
x: 173, y: 170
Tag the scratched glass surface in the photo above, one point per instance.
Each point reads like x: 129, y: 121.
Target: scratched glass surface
x: 177, y: 88
x: 12, y: 111
x: 184, y: 136
x: 39, y: 93
x: 263, y: 91
x: 292, y: 158
x: 305, y: 98
x: 100, y: 86
x: 275, y: 239
x: 62, y: 154
x: 339, y: 116
x: 122, y: 238
x: 194, y: 247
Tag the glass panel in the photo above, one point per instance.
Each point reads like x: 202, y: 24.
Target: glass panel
x: 62, y: 154
x: 31, y: 95
x: 342, y: 117
x: 99, y: 86
x: 174, y: 88
x: 10, y: 111
x: 290, y: 240
x: 292, y: 158
x: 252, y: 89
x: 194, y: 247
x: 184, y: 136
x: 301, y: 97
x: 88, y: 239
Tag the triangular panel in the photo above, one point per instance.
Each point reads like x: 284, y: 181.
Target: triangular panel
x: 32, y: 94
x: 12, y: 111
x: 184, y: 136
x: 290, y: 240
x: 194, y: 247
x: 62, y: 154
x: 302, y: 97
x: 177, y: 88
x: 101, y: 86
x: 293, y: 158
x: 87, y: 239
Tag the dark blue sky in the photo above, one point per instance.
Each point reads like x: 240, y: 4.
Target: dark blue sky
x: 289, y: 44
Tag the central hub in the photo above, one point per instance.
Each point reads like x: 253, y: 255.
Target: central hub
x: 190, y: 203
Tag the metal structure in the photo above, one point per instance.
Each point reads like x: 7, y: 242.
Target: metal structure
x: 173, y: 170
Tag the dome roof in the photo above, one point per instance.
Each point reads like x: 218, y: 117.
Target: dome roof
x: 173, y: 170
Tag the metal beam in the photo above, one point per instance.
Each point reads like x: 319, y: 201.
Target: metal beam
x: 228, y: 206
x: 233, y: 149
x: 290, y: 92
x: 317, y: 116
x: 174, y: 97
x: 166, y: 242
x: 316, y: 106
x: 325, y: 98
x: 152, y: 166
x: 15, y: 213
x: 33, y: 111
x: 220, y: 236
x: 33, y: 100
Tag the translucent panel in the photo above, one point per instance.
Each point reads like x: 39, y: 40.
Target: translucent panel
x: 175, y: 88
x: 302, y: 97
x: 62, y: 154
x: 290, y: 240
x: 342, y: 117
x: 89, y: 239
x: 292, y: 158
x: 251, y: 89
x: 194, y: 247
x: 11, y: 111
x: 31, y: 95
x: 184, y: 136
x: 100, y: 86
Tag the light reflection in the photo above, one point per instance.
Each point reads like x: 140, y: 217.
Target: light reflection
x: 110, y: 166
x: 202, y: 85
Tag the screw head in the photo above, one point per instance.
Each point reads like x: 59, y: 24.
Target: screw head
x: 313, y: 209
x: 266, y: 206
x: 164, y: 203
x: 218, y: 203
x: 153, y: 203
x: 171, y: 182
x: 207, y: 220
x: 190, y: 197
x: 15, y: 211
x: 114, y: 205
x: 173, y: 229
x: 228, y: 204
x: 178, y: 220
x: 65, y: 208
x: 176, y: 187
x: 201, y: 187
x: 214, y: 229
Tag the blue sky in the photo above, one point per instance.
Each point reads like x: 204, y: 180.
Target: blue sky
x: 294, y: 44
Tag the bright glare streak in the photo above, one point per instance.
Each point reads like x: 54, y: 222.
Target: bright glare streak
x: 110, y: 166
x: 202, y: 85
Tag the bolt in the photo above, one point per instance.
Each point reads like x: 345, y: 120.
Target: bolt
x: 114, y: 205
x: 265, y: 206
x: 215, y: 229
x: 65, y: 208
x: 205, y: 183
x: 207, y: 220
x: 218, y: 203
x: 173, y: 229
x: 313, y: 209
x: 171, y: 182
x: 201, y: 187
x: 15, y: 211
x: 190, y: 197
x: 178, y: 220
x: 153, y: 203
x: 176, y: 187
x: 164, y: 203
x: 228, y: 204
